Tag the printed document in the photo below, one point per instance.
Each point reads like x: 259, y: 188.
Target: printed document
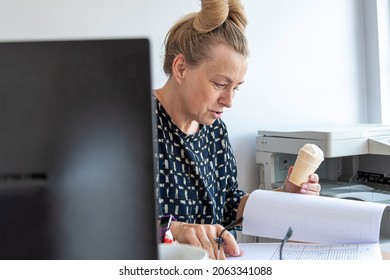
x: 310, y: 251
x: 323, y: 227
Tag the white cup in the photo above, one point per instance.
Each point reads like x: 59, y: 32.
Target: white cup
x: 177, y: 251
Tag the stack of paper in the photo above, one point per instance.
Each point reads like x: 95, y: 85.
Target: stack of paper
x: 323, y: 227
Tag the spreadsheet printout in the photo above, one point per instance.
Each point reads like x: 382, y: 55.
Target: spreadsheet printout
x: 310, y: 251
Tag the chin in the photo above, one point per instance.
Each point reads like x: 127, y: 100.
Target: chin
x: 210, y: 122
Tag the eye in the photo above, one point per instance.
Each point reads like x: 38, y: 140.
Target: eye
x: 219, y: 85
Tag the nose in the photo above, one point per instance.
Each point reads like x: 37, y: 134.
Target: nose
x: 226, y: 98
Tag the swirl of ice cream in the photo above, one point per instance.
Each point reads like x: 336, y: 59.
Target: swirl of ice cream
x: 314, y: 150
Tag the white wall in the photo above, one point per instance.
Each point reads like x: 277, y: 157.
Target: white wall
x: 306, y: 69
x: 306, y: 64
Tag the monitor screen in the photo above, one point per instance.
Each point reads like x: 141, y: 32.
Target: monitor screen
x: 77, y: 178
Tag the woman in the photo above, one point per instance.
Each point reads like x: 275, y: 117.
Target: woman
x: 206, y: 62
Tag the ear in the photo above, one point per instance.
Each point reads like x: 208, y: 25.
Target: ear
x: 178, y: 68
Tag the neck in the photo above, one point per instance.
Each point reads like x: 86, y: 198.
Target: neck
x: 176, y: 110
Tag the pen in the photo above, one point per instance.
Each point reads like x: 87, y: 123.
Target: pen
x: 220, y: 240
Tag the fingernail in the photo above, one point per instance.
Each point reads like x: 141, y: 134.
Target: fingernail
x: 304, y: 186
x: 303, y: 191
x: 236, y: 252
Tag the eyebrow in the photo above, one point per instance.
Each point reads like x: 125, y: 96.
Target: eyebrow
x: 230, y: 80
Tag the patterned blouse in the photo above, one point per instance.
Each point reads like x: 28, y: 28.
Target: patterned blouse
x: 196, y: 173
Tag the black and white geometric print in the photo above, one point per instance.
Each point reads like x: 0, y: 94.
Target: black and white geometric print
x: 196, y: 173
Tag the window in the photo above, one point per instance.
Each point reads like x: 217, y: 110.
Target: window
x: 383, y: 11
x: 377, y: 39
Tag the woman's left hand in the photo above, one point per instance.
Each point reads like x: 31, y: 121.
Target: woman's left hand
x: 312, y: 187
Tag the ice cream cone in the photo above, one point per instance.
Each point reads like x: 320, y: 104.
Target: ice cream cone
x: 308, y: 160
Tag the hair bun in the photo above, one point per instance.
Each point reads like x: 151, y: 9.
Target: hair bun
x: 237, y: 14
x: 215, y: 12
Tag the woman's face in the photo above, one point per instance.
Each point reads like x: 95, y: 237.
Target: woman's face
x: 209, y: 88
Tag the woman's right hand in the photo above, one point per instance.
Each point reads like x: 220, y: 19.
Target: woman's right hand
x: 204, y: 236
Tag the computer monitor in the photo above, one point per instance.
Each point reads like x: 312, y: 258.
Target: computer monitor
x: 77, y: 172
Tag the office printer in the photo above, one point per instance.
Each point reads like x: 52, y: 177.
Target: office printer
x: 356, y: 165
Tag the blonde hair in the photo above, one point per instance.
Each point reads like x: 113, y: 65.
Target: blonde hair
x: 218, y: 21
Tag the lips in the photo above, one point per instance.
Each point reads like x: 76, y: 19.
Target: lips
x: 217, y: 114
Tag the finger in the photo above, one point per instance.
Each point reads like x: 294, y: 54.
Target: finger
x: 214, y: 253
x: 219, y: 248
x: 197, y: 236
x: 230, y: 246
x: 311, y: 192
x: 314, y: 178
x: 313, y: 189
x: 210, y: 245
x: 218, y: 239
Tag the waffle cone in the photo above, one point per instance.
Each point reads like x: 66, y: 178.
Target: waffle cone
x: 305, y: 165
